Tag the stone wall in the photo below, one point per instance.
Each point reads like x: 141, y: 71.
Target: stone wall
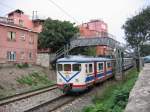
x: 139, y: 99
x: 43, y: 59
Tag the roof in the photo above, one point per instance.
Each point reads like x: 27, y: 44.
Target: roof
x: 38, y: 20
x: 82, y: 59
x: 16, y: 11
x: 16, y: 26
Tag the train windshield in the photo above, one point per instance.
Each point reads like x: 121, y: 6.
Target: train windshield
x: 60, y: 67
x: 67, y: 67
x: 76, y: 67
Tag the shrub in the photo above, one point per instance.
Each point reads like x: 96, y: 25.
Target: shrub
x: 34, y: 79
x: 115, y: 97
x: 22, y: 65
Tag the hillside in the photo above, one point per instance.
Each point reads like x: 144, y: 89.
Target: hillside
x: 16, y: 79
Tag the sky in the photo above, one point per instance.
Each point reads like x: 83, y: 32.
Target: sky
x: 113, y: 12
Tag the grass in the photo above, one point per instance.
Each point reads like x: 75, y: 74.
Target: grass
x: 115, y: 96
x: 35, y: 80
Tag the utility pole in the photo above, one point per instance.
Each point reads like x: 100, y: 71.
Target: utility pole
x: 138, y: 59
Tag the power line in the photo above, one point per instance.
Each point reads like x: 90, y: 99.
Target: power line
x: 4, y: 5
x: 65, y: 12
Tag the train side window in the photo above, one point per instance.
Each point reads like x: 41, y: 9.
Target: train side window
x: 60, y: 67
x: 86, y: 68
x: 100, y: 66
x: 76, y: 67
x: 108, y: 64
x: 67, y: 67
x: 90, y: 68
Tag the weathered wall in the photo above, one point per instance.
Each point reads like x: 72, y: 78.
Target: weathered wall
x: 139, y: 99
x: 43, y: 59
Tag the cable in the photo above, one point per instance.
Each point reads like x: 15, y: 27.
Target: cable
x: 6, y: 7
x: 2, y: 4
x: 65, y: 12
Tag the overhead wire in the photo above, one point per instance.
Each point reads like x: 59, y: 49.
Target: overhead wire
x: 64, y: 11
x: 6, y: 7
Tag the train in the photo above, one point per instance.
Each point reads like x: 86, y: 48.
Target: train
x: 78, y: 73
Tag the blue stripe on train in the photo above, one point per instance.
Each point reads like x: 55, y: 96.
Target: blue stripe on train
x: 100, y: 75
x: 90, y: 78
x: 109, y: 72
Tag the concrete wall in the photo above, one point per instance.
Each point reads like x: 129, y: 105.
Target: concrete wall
x: 43, y: 59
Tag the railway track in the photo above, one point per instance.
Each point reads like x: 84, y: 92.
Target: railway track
x: 20, y: 96
x: 53, y: 104
x: 25, y: 101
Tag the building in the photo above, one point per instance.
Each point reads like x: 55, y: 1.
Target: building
x: 18, y: 38
x: 95, y: 28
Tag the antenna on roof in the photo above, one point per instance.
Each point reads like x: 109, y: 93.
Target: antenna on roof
x: 34, y: 15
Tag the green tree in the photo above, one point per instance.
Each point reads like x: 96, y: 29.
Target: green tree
x: 56, y: 34
x: 137, y: 29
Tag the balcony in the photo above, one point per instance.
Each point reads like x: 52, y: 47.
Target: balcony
x: 6, y: 20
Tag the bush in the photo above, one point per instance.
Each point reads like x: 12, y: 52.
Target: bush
x: 115, y: 97
x: 34, y: 79
x: 22, y: 65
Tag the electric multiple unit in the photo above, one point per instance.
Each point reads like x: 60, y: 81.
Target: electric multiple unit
x: 77, y: 73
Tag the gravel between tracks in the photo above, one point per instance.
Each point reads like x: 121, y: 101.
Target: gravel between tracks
x: 85, y: 99
x: 75, y: 103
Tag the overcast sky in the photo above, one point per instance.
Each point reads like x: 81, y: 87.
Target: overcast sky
x: 113, y: 12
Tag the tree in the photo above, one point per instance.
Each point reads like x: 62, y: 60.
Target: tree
x: 56, y: 34
x: 137, y: 29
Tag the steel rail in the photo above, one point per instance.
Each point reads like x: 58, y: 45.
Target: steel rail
x: 25, y: 95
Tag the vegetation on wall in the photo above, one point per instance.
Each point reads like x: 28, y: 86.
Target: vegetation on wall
x: 115, y: 97
x: 56, y: 33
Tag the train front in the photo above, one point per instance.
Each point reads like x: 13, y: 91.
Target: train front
x: 69, y: 78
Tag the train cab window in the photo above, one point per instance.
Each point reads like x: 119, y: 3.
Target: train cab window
x: 67, y: 67
x: 76, y: 67
x: 108, y: 64
x: 90, y: 68
x: 100, y: 66
x: 60, y: 67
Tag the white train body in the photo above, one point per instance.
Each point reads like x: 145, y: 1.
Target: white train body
x: 77, y: 73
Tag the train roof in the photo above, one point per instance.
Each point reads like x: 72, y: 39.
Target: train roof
x: 82, y: 59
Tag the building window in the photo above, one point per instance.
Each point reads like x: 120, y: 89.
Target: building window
x: 22, y: 55
x: 21, y: 23
x: 31, y: 39
x: 11, y: 36
x: 22, y: 36
x: 30, y: 55
x: 11, y: 56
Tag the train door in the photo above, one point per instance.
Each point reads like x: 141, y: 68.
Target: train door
x: 100, y: 70
x: 105, y: 69
x: 89, y: 72
x: 108, y: 68
x: 95, y: 71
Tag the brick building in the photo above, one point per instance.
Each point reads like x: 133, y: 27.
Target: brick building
x: 95, y: 28
x: 18, y: 38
